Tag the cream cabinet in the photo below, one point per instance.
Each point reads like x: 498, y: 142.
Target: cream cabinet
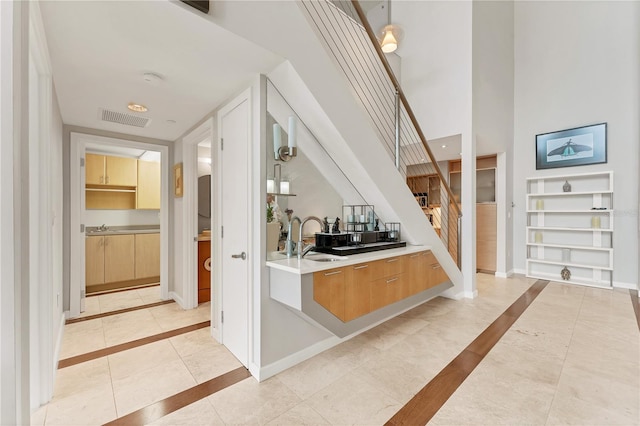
x: 110, y: 170
x: 147, y: 255
x: 119, y: 261
x: 148, y: 189
x: 94, y: 260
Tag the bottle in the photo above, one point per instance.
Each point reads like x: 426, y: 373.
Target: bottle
x: 566, y: 187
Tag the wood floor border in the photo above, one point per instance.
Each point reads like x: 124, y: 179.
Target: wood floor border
x: 68, y: 362
x: 426, y: 403
x: 120, y: 290
x: 180, y: 400
x: 119, y: 311
x: 636, y: 305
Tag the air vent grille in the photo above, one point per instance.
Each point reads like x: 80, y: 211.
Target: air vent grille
x: 123, y: 118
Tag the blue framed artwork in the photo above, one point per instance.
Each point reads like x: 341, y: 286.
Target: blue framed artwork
x: 572, y: 147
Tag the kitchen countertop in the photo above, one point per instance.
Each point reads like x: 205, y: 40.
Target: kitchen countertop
x: 123, y: 230
x: 305, y: 265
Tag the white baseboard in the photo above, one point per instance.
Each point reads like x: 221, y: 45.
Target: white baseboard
x: 630, y: 286
x: 471, y: 294
x: 504, y: 275
x: 519, y: 271
x: 173, y: 295
x: 296, y: 358
x: 453, y: 294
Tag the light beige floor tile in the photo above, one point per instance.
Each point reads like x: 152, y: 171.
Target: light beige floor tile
x: 172, y: 316
x: 357, y: 350
x: 94, y: 406
x: 130, y: 326
x: 352, y: 400
x: 199, y: 413
x: 194, y: 341
x: 212, y: 363
x: 141, y: 389
x: 91, y: 307
x: 82, y: 337
x: 301, y: 414
x: 390, y: 374
x: 141, y: 359
x: 82, y: 377
x: 120, y: 300
x: 149, y: 294
x: 250, y: 402
x: 38, y: 418
x: 569, y: 410
x: 427, y: 355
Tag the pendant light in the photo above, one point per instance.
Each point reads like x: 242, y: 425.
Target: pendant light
x: 390, y: 33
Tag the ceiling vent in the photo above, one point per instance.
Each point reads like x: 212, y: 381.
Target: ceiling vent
x: 122, y: 118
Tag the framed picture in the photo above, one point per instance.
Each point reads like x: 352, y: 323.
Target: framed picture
x: 178, y: 180
x: 572, y: 147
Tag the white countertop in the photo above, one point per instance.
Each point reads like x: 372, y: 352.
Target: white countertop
x: 277, y: 260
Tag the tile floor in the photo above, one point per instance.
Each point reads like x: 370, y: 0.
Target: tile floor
x: 573, y: 357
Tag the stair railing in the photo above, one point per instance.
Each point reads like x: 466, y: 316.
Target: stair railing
x: 349, y: 38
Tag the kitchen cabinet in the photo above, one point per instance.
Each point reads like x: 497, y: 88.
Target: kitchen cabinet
x: 353, y: 291
x: 328, y: 290
x: 148, y: 186
x: 147, y: 255
x: 94, y: 260
x: 111, y: 171
x: 426, y: 184
x: 119, y: 257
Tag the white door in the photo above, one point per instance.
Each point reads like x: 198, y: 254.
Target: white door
x: 235, y: 193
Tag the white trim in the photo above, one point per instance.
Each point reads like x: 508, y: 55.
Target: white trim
x: 470, y: 294
x: 78, y: 142
x: 175, y: 296
x: 190, y: 202
x: 508, y: 274
x: 519, y: 271
x: 630, y: 286
x: 501, y: 213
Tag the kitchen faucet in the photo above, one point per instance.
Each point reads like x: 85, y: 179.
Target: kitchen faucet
x: 300, y: 246
x: 289, y: 244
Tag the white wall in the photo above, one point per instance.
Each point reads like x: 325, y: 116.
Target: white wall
x: 577, y: 63
x: 121, y: 217
x: 493, y: 79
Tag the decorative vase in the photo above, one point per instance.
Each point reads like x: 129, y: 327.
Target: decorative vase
x: 566, y: 187
x: 565, y: 274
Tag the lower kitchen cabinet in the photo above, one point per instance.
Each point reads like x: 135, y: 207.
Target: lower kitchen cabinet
x: 119, y: 257
x: 147, y: 255
x: 356, y: 290
x: 94, y: 260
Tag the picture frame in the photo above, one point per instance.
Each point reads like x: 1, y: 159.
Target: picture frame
x: 579, y: 146
x: 178, y: 181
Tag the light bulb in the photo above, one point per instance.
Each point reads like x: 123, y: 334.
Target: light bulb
x: 389, y: 43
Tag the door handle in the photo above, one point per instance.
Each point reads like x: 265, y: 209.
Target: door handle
x: 242, y: 256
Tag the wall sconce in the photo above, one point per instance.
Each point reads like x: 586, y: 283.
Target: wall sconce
x: 285, y: 153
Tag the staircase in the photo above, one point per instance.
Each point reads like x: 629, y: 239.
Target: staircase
x: 339, y: 81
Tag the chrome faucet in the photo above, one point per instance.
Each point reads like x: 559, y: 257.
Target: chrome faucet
x: 103, y: 228
x: 289, y: 245
x: 300, y: 246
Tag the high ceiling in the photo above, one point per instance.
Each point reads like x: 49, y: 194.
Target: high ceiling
x: 100, y: 51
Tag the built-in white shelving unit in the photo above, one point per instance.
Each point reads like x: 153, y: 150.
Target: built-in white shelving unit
x: 572, y: 230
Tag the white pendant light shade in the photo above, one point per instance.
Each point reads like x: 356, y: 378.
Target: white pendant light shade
x: 389, y: 40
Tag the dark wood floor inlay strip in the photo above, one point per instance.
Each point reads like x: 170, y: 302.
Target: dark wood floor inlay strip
x: 119, y: 311
x: 636, y: 305
x: 173, y: 403
x: 426, y: 403
x: 68, y: 362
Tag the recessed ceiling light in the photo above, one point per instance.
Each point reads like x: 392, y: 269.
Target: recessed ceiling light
x: 152, y: 78
x: 171, y: 121
x: 460, y: 153
x: 422, y: 160
x: 444, y: 146
x: 137, y: 107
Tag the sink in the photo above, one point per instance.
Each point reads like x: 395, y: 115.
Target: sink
x: 326, y: 259
x: 321, y: 257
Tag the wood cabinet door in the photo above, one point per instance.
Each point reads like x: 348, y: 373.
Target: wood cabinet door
x: 486, y: 236
x: 94, y: 260
x: 357, y: 297
x: 148, y: 191
x: 416, y: 273
x: 121, y: 171
x: 147, y: 255
x: 94, y: 169
x: 119, y: 260
x: 328, y: 290
x: 436, y: 274
x: 385, y: 291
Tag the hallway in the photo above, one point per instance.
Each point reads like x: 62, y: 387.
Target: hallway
x: 570, y: 358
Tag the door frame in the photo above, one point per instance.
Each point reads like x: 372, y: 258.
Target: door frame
x: 78, y: 142
x: 204, y: 131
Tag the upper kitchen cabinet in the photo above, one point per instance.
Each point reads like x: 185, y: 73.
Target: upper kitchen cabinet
x: 111, y: 171
x: 148, y: 190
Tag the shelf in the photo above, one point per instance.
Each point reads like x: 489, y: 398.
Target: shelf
x: 571, y: 211
x: 564, y: 246
x: 567, y: 177
x: 573, y: 265
x: 558, y: 228
x: 109, y: 190
x: 557, y: 194
x: 280, y: 194
x: 558, y: 278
